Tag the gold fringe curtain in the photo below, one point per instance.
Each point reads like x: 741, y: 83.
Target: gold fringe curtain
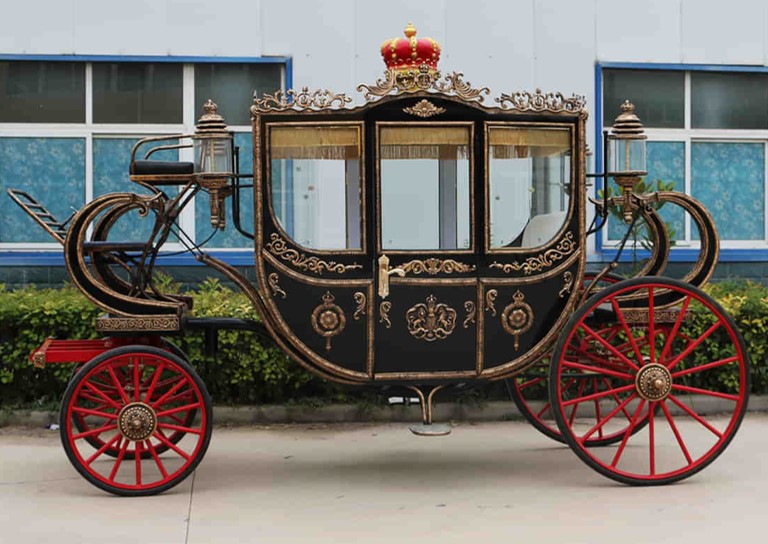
x: 445, y: 142
x: 521, y: 143
x: 319, y: 142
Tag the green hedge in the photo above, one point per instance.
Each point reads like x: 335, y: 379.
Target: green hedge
x: 247, y: 370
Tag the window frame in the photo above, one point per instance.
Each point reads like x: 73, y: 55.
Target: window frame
x: 49, y: 253
x: 687, y: 250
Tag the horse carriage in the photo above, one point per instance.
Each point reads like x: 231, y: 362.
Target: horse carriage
x: 426, y: 239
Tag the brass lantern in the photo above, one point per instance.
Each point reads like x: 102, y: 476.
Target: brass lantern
x: 626, y: 153
x: 213, y: 145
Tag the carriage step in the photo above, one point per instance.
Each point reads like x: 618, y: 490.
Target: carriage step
x: 431, y: 429
x: 40, y: 214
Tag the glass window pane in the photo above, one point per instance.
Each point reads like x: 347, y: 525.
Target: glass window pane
x: 137, y: 93
x: 727, y: 100
x: 232, y: 87
x: 52, y: 170
x: 729, y: 179
x: 425, y: 193
x: 529, y: 174
x: 658, y: 96
x: 42, y: 92
x: 316, y: 174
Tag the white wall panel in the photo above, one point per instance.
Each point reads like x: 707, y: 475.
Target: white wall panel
x: 716, y: 32
x: 639, y: 31
x: 36, y: 27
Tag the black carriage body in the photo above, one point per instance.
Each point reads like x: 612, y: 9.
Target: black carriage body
x: 387, y: 314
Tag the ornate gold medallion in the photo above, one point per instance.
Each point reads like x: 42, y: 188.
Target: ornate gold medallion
x: 424, y: 108
x: 328, y: 319
x: 431, y: 321
x: 137, y: 421
x: 517, y: 317
x: 653, y: 382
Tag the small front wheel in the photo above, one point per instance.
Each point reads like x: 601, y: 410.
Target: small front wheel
x: 681, y: 372
x: 130, y: 400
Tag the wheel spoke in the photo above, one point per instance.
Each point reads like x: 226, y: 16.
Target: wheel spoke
x: 543, y: 410
x: 136, y: 380
x: 119, y: 387
x: 596, y: 370
x: 596, y: 389
x: 171, y: 445
x: 707, y: 366
x: 611, y: 414
x: 651, y: 438
x: 119, y: 460
x: 185, y: 408
x: 153, y: 384
x: 96, y: 413
x: 610, y: 347
x: 529, y: 383
x: 675, y: 330
x: 626, y: 328
x: 180, y: 428
x: 695, y: 416
x: 94, y: 432
x: 618, y: 400
x: 599, y: 395
x: 706, y: 392
x: 582, y: 384
x: 101, y: 394
x: 651, y: 326
x: 102, y: 449
x: 693, y: 345
x: 156, y: 457
x: 170, y: 392
x: 676, y: 433
x: 627, y: 434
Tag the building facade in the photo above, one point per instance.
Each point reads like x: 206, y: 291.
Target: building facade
x: 82, y: 80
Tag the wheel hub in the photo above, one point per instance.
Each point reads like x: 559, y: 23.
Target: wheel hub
x: 653, y: 382
x: 137, y: 421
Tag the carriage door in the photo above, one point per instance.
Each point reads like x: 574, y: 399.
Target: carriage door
x: 426, y: 320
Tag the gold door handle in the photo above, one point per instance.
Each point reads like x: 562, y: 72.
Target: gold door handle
x: 384, y: 273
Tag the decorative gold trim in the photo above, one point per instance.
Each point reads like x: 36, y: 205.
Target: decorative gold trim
x: 303, y: 100
x: 490, y: 297
x: 276, y: 290
x: 384, y: 309
x: 361, y: 305
x: 436, y: 266
x: 567, y: 283
x: 538, y: 102
x: 145, y: 323
x: 277, y: 246
x: 471, y: 309
x: 566, y: 246
x: 422, y: 79
x: 517, y: 317
x: 328, y: 319
x: 641, y: 316
x: 431, y: 321
x: 424, y: 109
x: 653, y: 382
x: 137, y: 421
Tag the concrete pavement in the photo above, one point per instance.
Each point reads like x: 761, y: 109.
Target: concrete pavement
x: 486, y: 482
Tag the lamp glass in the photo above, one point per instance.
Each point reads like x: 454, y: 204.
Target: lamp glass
x: 213, y: 154
x: 626, y: 155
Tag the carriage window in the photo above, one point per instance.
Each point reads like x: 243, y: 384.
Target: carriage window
x: 425, y: 188
x: 529, y: 177
x: 316, y: 184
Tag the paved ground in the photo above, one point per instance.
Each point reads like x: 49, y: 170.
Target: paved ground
x: 489, y: 482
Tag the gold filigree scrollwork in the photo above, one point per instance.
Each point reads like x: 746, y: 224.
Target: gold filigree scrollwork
x: 431, y: 321
x: 517, y: 317
x: 567, y: 283
x: 490, y: 298
x: 276, y: 290
x: 565, y: 247
x: 540, y: 102
x: 277, y: 246
x: 384, y: 309
x: 436, y: 266
x: 469, y: 306
x: 423, y: 79
x: 424, y: 109
x: 328, y: 319
x: 361, y: 301
x: 303, y: 100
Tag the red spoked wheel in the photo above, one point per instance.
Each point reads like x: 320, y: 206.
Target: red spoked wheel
x: 530, y: 393
x: 183, y: 419
x: 685, y: 378
x: 130, y: 399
